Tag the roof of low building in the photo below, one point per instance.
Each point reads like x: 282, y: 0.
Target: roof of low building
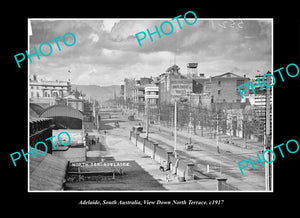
x: 62, y: 111
x: 38, y: 119
x: 47, y: 172
x: 36, y: 108
x: 228, y: 75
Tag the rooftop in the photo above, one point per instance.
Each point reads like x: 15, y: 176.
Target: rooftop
x: 227, y: 75
x: 62, y: 111
x: 47, y: 172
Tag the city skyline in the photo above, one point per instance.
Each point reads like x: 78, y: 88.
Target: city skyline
x: 106, y: 51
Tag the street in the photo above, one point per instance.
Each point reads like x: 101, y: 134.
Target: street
x: 144, y: 172
x: 223, y: 164
x: 220, y: 164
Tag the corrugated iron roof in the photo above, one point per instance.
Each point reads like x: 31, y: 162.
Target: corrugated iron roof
x: 37, y: 119
x: 61, y: 111
x: 47, y: 172
x: 36, y: 108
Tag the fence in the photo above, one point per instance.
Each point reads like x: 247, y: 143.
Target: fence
x: 183, y: 169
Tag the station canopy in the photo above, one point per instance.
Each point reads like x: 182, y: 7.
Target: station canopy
x: 62, y: 111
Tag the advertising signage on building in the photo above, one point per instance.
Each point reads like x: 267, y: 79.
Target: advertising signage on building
x: 181, y: 87
x: 192, y: 65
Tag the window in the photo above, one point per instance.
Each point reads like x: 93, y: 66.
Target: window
x: 219, y: 83
x: 239, y: 82
x: 219, y: 92
x: 31, y: 87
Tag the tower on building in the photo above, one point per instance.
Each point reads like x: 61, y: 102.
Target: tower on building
x: 192, y: 70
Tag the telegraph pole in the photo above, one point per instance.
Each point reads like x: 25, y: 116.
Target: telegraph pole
x: 218, y: 132
x: 190, y: 119
x: 268, y: 167
x: 147, y: 117
x: 175, y: 129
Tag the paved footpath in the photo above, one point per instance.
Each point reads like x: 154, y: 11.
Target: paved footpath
x: 122, y: 149
x: 205, y: 153
x: 223, y: 164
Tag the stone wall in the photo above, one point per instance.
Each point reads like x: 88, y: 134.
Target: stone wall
x: 182, y: 168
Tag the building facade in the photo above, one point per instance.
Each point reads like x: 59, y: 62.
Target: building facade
x: 152, y: 103
x: 47, y: 89
x: 129, y: 85
x: 223, y: 88
x: 139, y: 94
x: 44, y: 92
x: 173, y: 86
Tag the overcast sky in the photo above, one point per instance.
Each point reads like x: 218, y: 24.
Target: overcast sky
x: 107, y: 51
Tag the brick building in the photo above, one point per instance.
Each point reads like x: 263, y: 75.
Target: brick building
x: 129, y: 92
x: 44, y: 92
x: 223, y: 88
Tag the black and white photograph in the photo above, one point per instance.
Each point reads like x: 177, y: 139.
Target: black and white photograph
x: 183, y: 104
x: 143, y: 108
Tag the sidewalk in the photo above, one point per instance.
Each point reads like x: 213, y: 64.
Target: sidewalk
x: 205, y: 153
x: 205, y: 140
x: 122, y: 149
x: 98, y: 151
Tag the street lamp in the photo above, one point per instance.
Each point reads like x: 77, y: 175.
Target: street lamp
x: 218, y: 133
x: 151, y: 92
x: 190, y: 116
x: 175, y: 123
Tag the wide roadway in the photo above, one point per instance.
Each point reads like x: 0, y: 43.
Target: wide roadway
x: 223, y: 164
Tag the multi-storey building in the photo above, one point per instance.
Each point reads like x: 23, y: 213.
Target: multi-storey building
x: 260, y: 102
x: 139, y: 94
x: 152, y: 94
x: 44, y: 92
x: 223, y: 88
x: 173, y: 85
x: 201, y: 91
x: 152, y: 104
x: 129, y: 92
x: 48, y: 89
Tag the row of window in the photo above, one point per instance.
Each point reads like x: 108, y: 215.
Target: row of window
x: 238, y: 82
x: 55, y: 87
x: 45, y: 94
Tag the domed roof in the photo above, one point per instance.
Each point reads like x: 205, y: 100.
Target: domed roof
x: 61, y: 111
